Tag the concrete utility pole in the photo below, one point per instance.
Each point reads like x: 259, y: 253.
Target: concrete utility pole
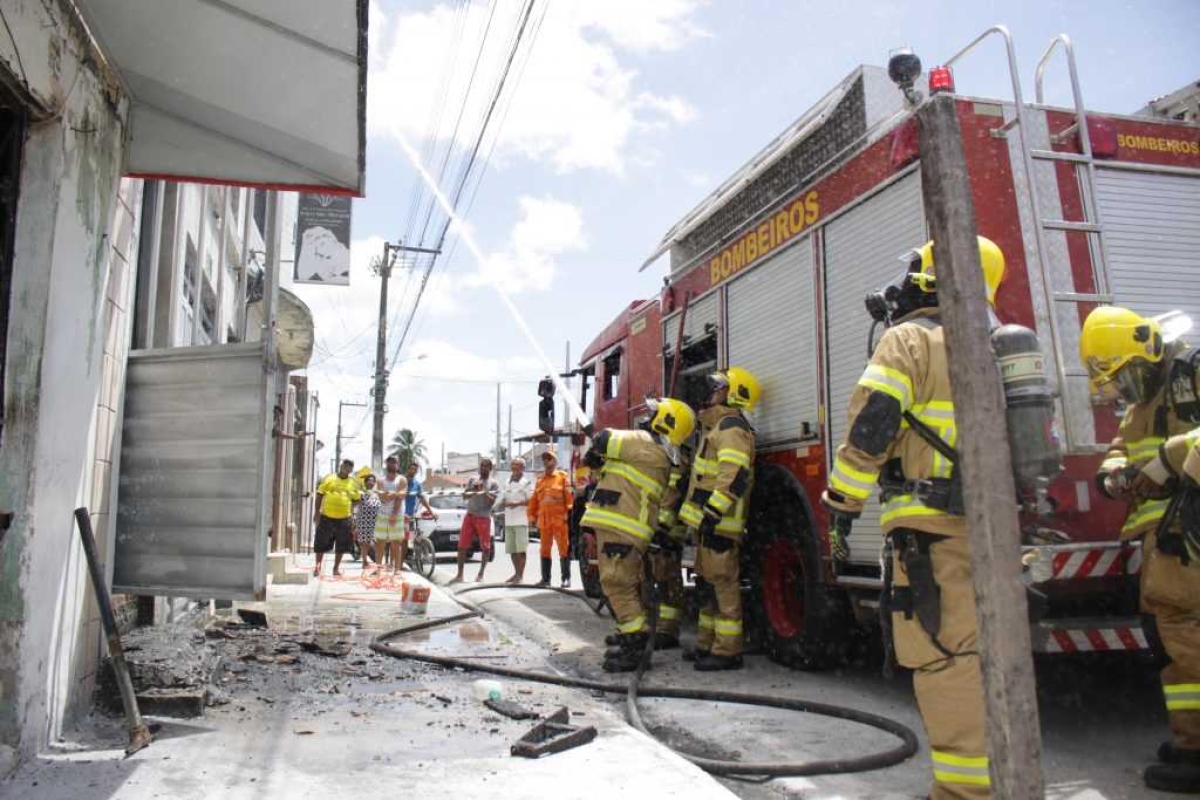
x: 337, y: 447
x: 498, y: 434
x: 1014, y: 737
x: 509, y: 451
x: 383, y: 267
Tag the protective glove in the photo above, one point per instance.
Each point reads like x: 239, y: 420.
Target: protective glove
x: 1152, y: 479
x: 662, y: 539
x: 593, y: 460
x: 1189, y: 517
x: 1118, y: 484
x: 839, y: 535
x: 708, y: 527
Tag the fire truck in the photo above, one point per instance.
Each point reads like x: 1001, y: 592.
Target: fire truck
x: 769, y: 272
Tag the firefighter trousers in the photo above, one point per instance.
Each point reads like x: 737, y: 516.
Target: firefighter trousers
x: 667, y: 565
x: 947, y: 676
x: 1171, y: 592
x: 621, y: 578
x: 718, y: 562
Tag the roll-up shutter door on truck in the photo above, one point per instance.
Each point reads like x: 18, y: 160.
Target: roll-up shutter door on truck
x: 862, y: 250
x: 771, y: 333
x: 1152, y: 240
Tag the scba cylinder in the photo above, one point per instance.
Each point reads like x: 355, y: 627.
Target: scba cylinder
x: 1029, y: 406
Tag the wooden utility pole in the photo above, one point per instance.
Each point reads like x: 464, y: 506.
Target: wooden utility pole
x: 1014, y: 737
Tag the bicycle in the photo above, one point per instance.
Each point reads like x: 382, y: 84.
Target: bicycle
x: 421, y: 556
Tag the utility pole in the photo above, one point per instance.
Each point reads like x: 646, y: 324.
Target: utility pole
x: 497, y: 424
x: 337, y: 448
x: 383, y: 268
x: 1014, y: 738
x: 510, y: 452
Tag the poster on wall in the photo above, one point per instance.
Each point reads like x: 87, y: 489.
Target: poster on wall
x: 323, y: 239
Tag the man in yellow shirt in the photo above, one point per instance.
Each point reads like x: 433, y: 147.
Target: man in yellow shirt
x: 336, y: 497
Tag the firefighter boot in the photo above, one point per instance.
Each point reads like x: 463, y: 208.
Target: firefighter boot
x: 694, y: 654
x: 628, y: 655
x: 708, y: 662
x: 1170, y: 754
x: 545, y: 581
x: 614, y: 639
x: 1180, y: 778
x: 565, y: 567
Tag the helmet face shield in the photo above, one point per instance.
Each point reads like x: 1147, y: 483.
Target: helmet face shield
x: 1138, y: 381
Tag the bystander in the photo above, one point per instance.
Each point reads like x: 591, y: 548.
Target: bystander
x: 389, y: 527
x: 336, y: 496
x: 480, y: 493
x: 514, y: 498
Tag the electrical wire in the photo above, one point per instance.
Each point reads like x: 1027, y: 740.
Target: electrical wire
x: 466, y: 171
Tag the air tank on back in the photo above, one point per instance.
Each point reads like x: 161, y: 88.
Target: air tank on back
x: 1029, y: 408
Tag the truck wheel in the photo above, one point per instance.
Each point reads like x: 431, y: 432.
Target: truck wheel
x: 801, y: 623
x: 585, y: 553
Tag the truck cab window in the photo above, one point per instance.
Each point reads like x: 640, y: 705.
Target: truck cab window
x: 612, y: 375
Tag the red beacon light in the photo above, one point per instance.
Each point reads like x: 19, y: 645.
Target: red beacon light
x: 941, y: 79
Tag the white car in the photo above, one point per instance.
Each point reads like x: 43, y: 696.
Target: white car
x: 451, y: 507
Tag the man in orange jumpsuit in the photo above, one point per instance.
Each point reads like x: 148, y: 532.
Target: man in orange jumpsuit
x: 550, y: 509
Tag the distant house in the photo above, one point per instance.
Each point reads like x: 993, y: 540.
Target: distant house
x: 442, y: 481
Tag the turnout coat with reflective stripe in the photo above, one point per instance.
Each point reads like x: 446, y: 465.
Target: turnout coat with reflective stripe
x: 672, y: 499
x: 722, y: 472
x: 907, y: 372
x: 1143, y: 430
x: 630, y: 486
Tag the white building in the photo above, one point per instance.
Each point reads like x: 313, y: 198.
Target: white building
x: 104, y: 263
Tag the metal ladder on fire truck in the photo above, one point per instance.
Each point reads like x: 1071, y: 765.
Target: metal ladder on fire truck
x: 1084, y: 168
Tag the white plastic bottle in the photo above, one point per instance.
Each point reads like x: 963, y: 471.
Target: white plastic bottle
x: 487, y: 689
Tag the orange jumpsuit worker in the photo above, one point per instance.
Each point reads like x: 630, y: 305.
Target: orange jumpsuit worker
x: 550, y: 509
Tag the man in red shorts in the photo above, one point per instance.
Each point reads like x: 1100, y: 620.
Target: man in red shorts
x: 480, y: 495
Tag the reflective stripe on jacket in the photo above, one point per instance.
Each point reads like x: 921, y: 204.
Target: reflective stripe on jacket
x: 630, y: 485
x: 722, y: 472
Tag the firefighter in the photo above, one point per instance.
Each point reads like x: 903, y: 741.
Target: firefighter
x: 718, y: 493
x: 633, y: 470
x: 903, y: 397
x: 1153, y: 465
x: 666, y: 561
x: 550, y: 509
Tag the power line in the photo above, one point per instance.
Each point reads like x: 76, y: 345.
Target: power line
x: 466, y: 172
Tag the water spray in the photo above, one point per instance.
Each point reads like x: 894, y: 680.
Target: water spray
x: 577, y: 412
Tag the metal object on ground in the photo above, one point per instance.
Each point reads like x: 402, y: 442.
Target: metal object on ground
x: 510, y: 709
x: 553, y: 735
x: 139, y: 734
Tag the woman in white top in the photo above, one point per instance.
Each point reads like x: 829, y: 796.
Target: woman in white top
x: 512, y: 501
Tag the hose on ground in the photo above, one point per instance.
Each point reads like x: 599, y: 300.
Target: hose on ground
x: 634, y: 689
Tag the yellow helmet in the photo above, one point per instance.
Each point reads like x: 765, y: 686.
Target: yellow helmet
x: 672, y: 418
x: 990, y: 258
x: 1121, y: 350
x: 744, y: 389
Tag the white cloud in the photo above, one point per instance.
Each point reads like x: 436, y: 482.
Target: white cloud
x: 576, y: 105
x: 548, y: 228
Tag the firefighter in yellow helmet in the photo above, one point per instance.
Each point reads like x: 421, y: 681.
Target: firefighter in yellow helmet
x: 633, y: 467
x: 903, y: 397
x: 717, y: 500
x: 1153, y: 465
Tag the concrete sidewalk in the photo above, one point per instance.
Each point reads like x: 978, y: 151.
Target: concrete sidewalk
x: 303, y: 724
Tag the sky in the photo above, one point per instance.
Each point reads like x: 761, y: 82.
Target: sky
x: 623, y: 116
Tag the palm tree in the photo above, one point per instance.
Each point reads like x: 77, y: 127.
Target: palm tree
x: 407, y: 448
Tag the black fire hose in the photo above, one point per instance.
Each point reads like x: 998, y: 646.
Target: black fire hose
x: 633, y: 689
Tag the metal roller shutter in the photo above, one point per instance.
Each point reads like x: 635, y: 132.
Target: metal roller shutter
x: 1152, y: 239
x: 700, y: 313
x: 861, y: 254
x: 782, y: 354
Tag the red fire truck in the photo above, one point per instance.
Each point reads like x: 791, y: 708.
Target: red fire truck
x: 769, y: 272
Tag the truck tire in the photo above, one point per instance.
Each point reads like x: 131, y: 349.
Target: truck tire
x: 801, y: 622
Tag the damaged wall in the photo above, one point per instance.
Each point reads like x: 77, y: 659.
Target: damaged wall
x: 68, y: 334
